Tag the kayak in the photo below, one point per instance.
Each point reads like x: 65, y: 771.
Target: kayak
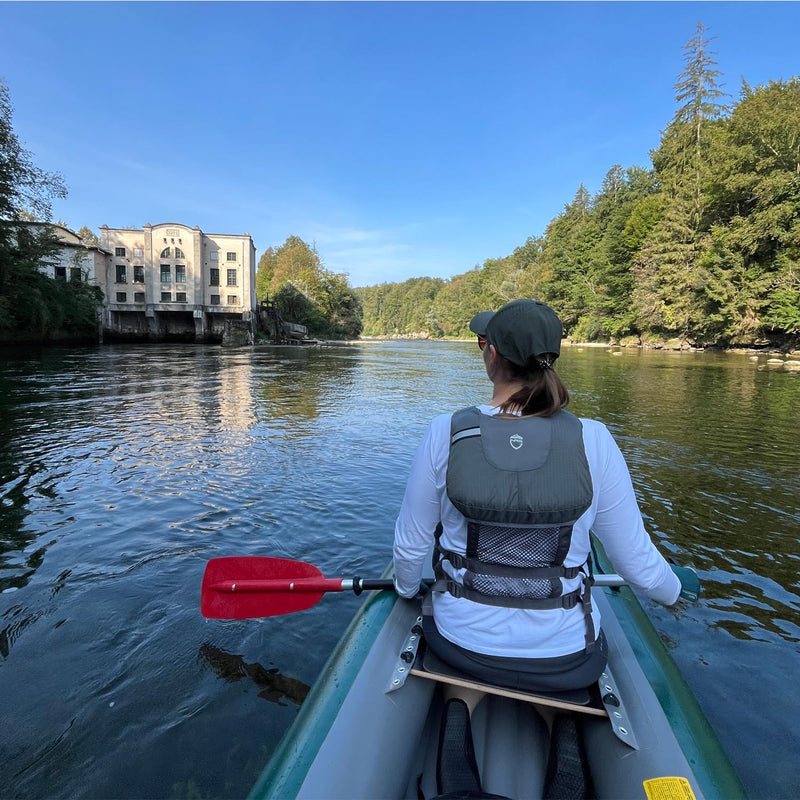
x: 370, y: 726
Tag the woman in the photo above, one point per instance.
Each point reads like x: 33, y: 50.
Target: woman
x: 506, y: 494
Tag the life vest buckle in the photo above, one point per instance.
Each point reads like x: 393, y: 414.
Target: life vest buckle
x: 455, y: 589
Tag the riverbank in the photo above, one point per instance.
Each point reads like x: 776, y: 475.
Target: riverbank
x: 789, y: 348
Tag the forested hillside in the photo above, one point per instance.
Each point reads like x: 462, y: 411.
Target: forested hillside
x: 702, y: 246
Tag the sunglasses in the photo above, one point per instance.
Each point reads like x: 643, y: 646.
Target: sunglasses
x: 481, y: 342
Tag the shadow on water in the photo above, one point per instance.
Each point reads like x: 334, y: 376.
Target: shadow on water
x: 274, y: 686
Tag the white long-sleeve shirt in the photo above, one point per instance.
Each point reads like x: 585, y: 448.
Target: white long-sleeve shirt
x: 613, y: 516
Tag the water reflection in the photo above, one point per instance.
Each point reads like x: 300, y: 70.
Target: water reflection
x: 712, y: 447
x: 301, y: 383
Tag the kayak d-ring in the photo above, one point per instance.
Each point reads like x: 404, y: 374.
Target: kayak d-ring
x: 406, y: 657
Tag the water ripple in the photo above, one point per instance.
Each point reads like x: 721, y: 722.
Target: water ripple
x: 124, y: 469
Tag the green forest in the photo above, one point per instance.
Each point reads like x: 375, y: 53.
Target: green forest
x: 294, y: 278
x: 702, y: 246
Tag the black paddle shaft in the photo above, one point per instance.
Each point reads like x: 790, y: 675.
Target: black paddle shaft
x: 365, y: 584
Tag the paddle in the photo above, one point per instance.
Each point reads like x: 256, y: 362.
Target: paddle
x: 242, y: 587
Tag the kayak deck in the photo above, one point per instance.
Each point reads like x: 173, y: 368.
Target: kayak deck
x: 354, y: 739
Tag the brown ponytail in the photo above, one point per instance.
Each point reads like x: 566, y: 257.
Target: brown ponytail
x: 543, y: 393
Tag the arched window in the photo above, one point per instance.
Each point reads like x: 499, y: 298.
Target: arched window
x: 165, y: 253
x: 178, y: 253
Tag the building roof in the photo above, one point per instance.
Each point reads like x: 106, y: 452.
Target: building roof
x: 80, y: 243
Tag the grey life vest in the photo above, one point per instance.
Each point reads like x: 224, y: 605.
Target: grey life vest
x: 521, y: 483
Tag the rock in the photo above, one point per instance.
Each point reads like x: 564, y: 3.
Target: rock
x: 237, y: 333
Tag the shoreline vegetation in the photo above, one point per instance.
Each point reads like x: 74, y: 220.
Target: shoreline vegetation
x: 791, y: 349
x: 699, y: 250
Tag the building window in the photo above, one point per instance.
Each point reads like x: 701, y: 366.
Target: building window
x: 180, y: 273
x: 119, y: 251
x: 138, y: 273
x: 122, y: 297
x: 138, y: 297
x: 121, y: 274
x: 214, y: 279
x: 214, y: 256
x: 233, y: 300
x: 166, y: 273
x: 75, y: 274
x: 214, y: 299
x: 231, y: 256
x: 179, y: 253
x: 166, y: 297
x: 180, y: 297
x: 61, y: 273
x: 165, y: 253
x: 137, y: 252
x: 231, y: 277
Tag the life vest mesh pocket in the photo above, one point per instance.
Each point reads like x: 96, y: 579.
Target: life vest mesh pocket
x: 518, y: 547
x: 497, y: 586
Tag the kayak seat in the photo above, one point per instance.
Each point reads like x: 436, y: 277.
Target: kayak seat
x: 587, y: 701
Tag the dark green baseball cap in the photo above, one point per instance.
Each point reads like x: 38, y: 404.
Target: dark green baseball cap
x: 520, y: 329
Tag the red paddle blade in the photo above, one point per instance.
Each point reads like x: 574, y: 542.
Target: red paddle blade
x: 227, y: 591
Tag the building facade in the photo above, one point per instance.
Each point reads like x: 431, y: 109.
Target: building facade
x: 172, y: 281
x: 75, y: 260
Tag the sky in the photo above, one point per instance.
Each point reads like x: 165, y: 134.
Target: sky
x: 402, y: 139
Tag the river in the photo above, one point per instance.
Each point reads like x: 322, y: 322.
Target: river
x: 123, y: 469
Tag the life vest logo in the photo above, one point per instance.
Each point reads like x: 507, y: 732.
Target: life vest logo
x: 515, y: 441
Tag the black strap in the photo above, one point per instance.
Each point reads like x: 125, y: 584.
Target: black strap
x: 502, y: 571
x: 569, y: 600
x: 586, y: 601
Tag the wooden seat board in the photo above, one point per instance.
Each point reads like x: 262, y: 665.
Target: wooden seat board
x: 427, y: 665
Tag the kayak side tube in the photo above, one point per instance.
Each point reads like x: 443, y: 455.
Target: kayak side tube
x: 356, y: 672
x: 713, y: 773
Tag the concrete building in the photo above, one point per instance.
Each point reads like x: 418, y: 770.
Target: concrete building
x: 170, y: 281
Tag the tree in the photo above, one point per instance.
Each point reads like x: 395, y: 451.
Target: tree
x: 293, y: 259
x: 672, y: 293
x: 23, y: 186
x: 264, y: 272
x: 304, y: 292
x: 30, y: 301
x: 754, y: 255
x: 88, y: 237
x: 570, y: 251
x: 682, y: 159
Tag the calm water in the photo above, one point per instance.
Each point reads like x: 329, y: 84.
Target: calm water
x: 124, y: 469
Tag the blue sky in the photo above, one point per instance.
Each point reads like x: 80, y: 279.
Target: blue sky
x: 403, y: 139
